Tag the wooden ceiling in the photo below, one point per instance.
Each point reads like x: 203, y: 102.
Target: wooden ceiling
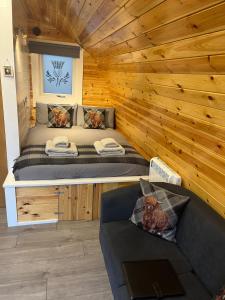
x: 88, y: 22
x: 107, y: 28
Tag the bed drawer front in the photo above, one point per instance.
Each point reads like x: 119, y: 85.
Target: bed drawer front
x: 36, y: 209
x: 37, y: 191
x: 36, y: 204
x: 76, y: 202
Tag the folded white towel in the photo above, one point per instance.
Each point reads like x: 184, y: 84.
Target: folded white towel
x: 109, y: 143
x: 60, y: 141
x: 118, y: 151
x: 59, y: 152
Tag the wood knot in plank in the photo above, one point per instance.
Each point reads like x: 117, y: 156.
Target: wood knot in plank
x: 36, y: 215
x: 194, y: 26
x: 210, y: 98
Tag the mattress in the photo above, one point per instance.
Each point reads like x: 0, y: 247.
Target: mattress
x: 34, y: 164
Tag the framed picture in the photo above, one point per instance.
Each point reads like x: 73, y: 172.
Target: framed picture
x: 8, y: 71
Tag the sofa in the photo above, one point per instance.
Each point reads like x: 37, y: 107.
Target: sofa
x: 198, y: 256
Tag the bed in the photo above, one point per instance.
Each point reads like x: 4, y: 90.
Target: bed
x: 34, y: 164
x: 43, y: 190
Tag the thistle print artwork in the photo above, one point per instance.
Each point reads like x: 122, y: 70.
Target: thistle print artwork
x: 57, y: 74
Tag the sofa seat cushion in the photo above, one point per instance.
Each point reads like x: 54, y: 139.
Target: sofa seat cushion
x: 124, y: 241
x: 192, y: 286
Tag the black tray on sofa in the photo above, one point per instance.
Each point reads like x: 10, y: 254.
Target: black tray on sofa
x: 151, y: 279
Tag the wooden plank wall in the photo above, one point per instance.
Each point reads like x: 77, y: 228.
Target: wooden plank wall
x: 167, y: 72
x: 95, y: 84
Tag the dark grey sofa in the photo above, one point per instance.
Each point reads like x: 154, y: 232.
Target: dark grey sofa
x: 198, y: 257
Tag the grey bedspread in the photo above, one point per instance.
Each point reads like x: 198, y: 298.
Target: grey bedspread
x: 34, y: 164
x: 77, y: 134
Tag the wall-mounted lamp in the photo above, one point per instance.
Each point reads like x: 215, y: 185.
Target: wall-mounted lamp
x: 36, y: 31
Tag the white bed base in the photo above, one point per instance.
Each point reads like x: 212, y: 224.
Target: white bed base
x: 11, y: 184
x: 158, y: 171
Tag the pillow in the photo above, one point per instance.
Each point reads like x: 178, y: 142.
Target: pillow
x: 109, y: 115
x: 220, y: 295
x: 94, y: 118
x: 60, y: 116
x: 42, y: 112
x: 158, y: 210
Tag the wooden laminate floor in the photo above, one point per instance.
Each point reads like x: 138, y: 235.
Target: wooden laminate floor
x: 52, y: 262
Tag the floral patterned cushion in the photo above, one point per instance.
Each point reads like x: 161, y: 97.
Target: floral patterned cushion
x: 220, y: 295
x: 60, y: 116
x: 158, y: 210
x: 94, y: 118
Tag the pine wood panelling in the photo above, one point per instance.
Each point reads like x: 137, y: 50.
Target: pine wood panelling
x: 178, y: 91
x: 88, y: 10
x: 37, y: 191
x: 77, y: 202
x: 160, y: 15
x: 218, y: 63
x: 3, y: 158
x: 203, y: 112
x: 155, y: 118
x: 193, y: 65
x: 165, y: 112
x: 131, y: 10
x: 106, y: 10
x: 36, y: 204
x: 37, y: 209
x: 208, y: 190
x: 166, y: 122
x: 53, y: 17
x: 199, y: 23
x: 208, y: 44
x: 84, y: 197
x: 211, y: 83
x: 48, y: 32
x: 95, y: 84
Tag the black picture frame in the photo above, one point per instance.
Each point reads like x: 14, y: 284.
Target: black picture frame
x: 8, y: 71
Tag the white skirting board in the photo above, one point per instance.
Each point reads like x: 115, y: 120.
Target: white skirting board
x: 11, y: 184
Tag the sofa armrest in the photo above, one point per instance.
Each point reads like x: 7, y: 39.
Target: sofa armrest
x: 118, y: 204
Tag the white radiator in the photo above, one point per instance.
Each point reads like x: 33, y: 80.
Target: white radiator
x: 160, y: 172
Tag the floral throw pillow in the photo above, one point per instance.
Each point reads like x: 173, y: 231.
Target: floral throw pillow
x: 220, y: 295
x: 94, y: 118
x: 60, y: 116
x: 158, y: 210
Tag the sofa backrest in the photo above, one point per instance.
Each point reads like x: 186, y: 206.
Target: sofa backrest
x: 201, y: 237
